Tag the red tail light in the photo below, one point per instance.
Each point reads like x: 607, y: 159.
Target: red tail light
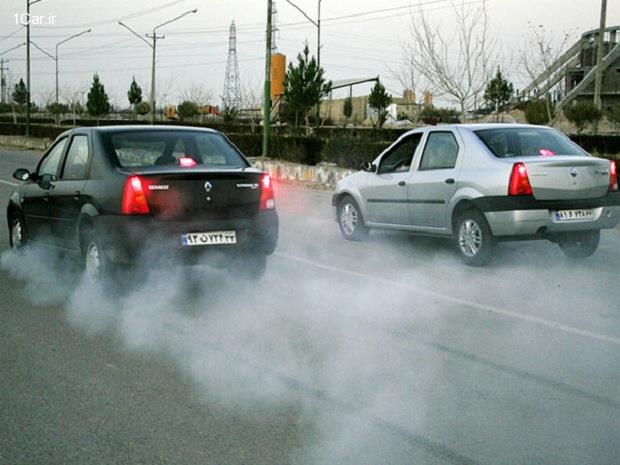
x: 613, y: 176
x: 134, y: 197
x: 267, y: 199
x: 519, y: 181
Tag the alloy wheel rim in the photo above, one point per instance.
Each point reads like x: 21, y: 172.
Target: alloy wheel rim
x: 470, y: 238
x: 93, y: 262
x: 17, y: 237
x: 348, y: 218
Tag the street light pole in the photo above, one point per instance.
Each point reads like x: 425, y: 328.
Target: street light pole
x: 154, y: 36
x: 56, y: 60
x: 153, y: 46
x: 267, y: 95
x: 598, y: 83
x: 317, y: 24
x: 28, y: 4
x: 4, y: 93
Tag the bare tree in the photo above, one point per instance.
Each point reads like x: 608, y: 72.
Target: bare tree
x: 197, y: 93
x: 47, y: 96
x: 406, y: 74
x: 458, y: 66
x: 163, y: 89
x: 542, y: 50
x: 74, y: 95
x: 251, y: 101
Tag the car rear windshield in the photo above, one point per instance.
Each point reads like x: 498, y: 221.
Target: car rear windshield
x: 527, y: 142
x: 143, y: 149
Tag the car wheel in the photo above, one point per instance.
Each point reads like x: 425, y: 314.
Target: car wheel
x: 97, y: 267
x: 581, y: 244
x: 350, y: 220
x: 474, y: 238
x: 17, y: 234
x: 249, y: 267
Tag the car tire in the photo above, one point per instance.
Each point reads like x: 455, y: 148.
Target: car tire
x: 350, y: 220
x: 249, y: 267
x: 474, y: 239
x: 97, y: 267
x: 17, y: 233
x: 580, y: 244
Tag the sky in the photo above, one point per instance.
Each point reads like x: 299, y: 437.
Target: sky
x: 360, y: 39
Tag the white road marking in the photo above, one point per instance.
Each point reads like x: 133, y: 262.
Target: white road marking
x: 9, y: 183
x: 476, y: 305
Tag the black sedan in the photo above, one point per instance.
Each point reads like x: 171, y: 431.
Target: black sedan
x: 121, y: 194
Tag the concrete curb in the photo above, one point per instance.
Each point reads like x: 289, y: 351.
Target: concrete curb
x: 324, y: 175
x: 23, y: 142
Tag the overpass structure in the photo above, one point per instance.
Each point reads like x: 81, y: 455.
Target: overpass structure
x: 577, y: 68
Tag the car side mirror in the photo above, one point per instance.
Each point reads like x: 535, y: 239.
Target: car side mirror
x: 45, y: 182
x: 22, y: 174
x: 368, y: 167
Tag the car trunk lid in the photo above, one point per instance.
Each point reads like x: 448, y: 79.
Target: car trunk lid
x: 202, y: 194
x: 568, y: 177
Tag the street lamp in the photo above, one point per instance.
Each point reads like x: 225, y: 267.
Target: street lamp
x: 55, y: 58
x: 29, y: 3
x: 2, y: 69
x: 12, y: 48
x: 153, y: 46
x: 317, y: 24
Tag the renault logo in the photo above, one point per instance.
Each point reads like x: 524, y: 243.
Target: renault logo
x: 574, y: 172
x: 208, y: 186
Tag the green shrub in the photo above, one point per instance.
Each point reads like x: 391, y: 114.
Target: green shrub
x: 58, y: 108
x: 613, y: 115
x: 536, y: 112
x: 582, y: 113
x: 432, y: 115
x: 187, y: 109
x: 143, y: 108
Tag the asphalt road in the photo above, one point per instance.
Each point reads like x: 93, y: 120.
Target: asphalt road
x: 388, y: 351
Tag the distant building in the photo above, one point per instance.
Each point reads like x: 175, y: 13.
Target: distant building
x: 404, y: 107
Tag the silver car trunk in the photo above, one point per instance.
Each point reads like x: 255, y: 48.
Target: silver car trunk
x: 567, y: 177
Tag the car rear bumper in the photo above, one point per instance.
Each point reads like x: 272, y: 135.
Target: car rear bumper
x: 131, y: 238
x: 525, y: 216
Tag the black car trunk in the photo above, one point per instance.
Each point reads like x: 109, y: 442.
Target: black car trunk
x: 202, y: 195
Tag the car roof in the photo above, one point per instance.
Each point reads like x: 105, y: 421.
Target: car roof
x: 479, y: 126
x: 142, y: 127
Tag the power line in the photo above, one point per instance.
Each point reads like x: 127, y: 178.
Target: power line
x: 143, y: 68
x: 137, y: 14
x: 11, y: 34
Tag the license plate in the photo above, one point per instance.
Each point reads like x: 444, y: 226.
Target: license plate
x: 571, y: 215
x: 209, y: 238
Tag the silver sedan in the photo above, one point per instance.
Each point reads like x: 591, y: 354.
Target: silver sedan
x: 482, y: 184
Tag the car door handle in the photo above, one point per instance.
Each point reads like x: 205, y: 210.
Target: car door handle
x: 76, y: 195
x: 449, y: 181
x: 402, y: 184
x: 46, y: 197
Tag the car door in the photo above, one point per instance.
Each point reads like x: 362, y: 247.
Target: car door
x: 433, y: 182
x: 385, y: 194
x: 35, y: 199
x: 66, y: 198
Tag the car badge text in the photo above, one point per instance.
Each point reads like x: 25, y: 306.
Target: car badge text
x: 253, y: 185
